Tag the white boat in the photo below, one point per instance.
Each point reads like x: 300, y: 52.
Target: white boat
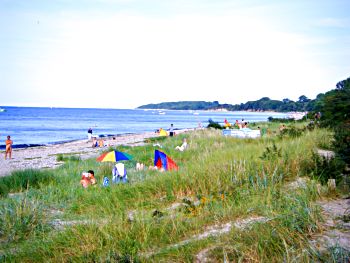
x: 2, y: 110
x: 161, y: 112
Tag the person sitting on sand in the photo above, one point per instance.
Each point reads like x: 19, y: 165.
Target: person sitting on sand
x: 94, y: 142
x: 183, y: 146
x: 101, y: 143
x: 8, y: 150
x: 88, y: 179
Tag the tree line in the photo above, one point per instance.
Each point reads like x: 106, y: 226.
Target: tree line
x: 263, y: 104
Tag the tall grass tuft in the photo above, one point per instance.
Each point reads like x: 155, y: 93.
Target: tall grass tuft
x: 20, y: 180
x: 19, y: 219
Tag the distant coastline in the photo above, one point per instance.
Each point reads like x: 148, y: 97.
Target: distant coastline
x: 263, y: 105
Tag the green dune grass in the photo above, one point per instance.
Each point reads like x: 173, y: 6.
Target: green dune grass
x: 158, y: 217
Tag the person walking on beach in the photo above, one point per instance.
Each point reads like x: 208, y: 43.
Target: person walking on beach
x: 89, y: 134
x: 8, y: 151
x: 171, y: 130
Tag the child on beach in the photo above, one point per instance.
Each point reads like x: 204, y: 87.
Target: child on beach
x: 8, y: 150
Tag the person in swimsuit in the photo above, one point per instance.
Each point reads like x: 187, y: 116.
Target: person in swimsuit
x: 8, y: 151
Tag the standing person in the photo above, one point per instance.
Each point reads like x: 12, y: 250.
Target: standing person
x: 171, y: 130
x: 8, y: 151
x: 89, y: 134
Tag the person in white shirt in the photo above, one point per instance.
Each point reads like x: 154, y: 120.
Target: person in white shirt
x: 183, y: 146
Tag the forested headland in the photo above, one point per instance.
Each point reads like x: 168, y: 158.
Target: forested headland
x: 264, y: 104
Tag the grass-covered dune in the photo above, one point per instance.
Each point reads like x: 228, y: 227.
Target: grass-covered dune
x: 231, y: 199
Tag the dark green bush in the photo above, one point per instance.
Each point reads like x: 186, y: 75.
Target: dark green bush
x: 322, y: 168
x: 3, y: 189
x: 291, y: 132
x: 215, y: 125
x: 271, y: 153
x: 342, y: 142
x: 280, y: 120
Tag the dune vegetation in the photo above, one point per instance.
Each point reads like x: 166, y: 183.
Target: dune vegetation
x: 231, y: 199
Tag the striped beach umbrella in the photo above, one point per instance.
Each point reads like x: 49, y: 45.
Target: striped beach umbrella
x: 114, y: 156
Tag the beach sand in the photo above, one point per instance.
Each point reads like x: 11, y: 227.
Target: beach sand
x: 46, y: 156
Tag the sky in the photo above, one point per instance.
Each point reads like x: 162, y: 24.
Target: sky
x: 127, y: 53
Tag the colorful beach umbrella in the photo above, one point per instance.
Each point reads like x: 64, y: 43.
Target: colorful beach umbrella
x: 114, y: 156
x: 161, y: 160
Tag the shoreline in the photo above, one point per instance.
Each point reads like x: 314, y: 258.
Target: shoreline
x: 45, y: 156
x: 30, y: 145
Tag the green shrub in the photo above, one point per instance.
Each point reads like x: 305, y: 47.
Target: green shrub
x: 271, y: 153
x: 215, y: 125
x: 291, y: 132
x: 3, y: 189
x: 323, y: 168
x: 282, y: 120
x: 342, y: 142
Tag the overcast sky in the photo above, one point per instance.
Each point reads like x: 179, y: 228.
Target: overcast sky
x: 126, y: 53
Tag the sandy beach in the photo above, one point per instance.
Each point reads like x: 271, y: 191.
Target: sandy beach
x: 46, y: 156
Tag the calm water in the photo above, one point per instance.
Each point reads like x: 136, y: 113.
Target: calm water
x: 32, y: 126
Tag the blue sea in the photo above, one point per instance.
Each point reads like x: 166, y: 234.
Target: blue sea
x: 32, y: 126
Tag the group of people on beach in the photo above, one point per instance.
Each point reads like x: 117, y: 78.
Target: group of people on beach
x: 95, y: 142
x: 237, y: 124
x: 119, y: 173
